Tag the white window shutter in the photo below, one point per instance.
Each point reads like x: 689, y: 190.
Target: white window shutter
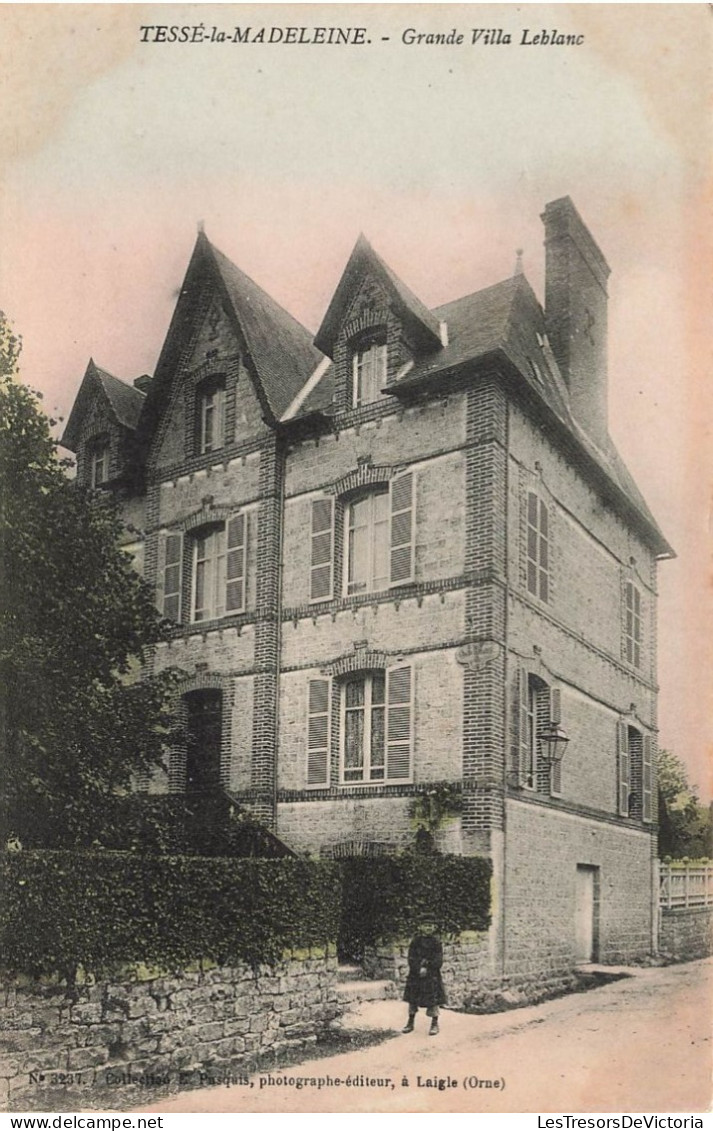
x: 399, y: 722
x: 402, y: 529
x: 236, y: 528
x: 318, y: 729
x: 647, y: 780
x: 624, y: 768
x: 172, y: 576
x: 322, y: 550
x: 556, y: 719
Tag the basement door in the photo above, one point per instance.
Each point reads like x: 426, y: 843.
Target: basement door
x: 586, y: 907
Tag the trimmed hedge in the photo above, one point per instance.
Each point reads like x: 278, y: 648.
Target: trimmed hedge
x: 386, y: 898
x: 101, y: 910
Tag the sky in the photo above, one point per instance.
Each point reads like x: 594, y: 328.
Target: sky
x: 444, y: 156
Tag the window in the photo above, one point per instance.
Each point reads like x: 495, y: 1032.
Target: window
x: 369, y: 372
x: 367, y: 528
x: 379, y: 538
x: 99, y: 463
x: 635, y: 773
x: 217, y: 558
x: 375, y: 727
x: 211, y: 416
x: 539, y: 705
x: 203, y: 740
x: 538, y: 553
x: 632, y: 625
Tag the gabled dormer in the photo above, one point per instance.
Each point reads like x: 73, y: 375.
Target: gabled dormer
x: 373, y: 330
x: 232, y: 362
x: 102, y: 429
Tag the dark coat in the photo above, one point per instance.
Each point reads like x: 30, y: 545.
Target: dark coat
x: 425, y: 990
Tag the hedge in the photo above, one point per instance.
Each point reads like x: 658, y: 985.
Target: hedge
x: 385, y: 898
x: 100, y: 910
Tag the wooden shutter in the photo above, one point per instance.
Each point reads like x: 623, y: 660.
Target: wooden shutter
x: 556, y: 719
x: 523, y: 724
x: 236, y: 528
x: 402, y: 533
x: 172, y: 576
x: 322, y: 551
x: 318, y: 732
x: 624, y: 768
x: 647, y: 780
x: 399, y: 722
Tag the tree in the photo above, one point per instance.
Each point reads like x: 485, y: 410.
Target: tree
x: 77, y: 724
x: 684, y: 823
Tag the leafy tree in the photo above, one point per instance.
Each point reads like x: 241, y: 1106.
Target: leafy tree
x: 76, y: 723
x: 684, y: 823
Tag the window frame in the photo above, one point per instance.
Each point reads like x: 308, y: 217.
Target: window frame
x: 368, y: 707
x: 633, y: 624
x: 538, y: 534
x: 99, y: 456
x: 212, y: 387
x: 368, y: 380
x: 375, y: 522
x: 227, y: 566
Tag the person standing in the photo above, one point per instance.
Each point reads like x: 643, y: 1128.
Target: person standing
x: 424, y: 984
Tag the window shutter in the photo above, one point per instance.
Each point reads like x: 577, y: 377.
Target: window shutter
x: 235, y: 571
x: 647, y: 777
x: 172, y: 576
x: 556, y: 719
x: 399, y: 722
x: 177, y: 771
x: 318, y: 733
x: 624, y: 768
x: 401, y: 492
x: 320, y: 576
x: 523, y: 729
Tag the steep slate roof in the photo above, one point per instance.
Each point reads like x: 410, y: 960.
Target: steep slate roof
x: 362, y: 260
x: 281, y: 349
x: 124, y: 401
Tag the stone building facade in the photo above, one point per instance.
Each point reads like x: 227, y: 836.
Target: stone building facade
x: 396, y: 554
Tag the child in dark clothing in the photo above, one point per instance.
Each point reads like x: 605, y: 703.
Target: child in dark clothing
x: 424, y: 985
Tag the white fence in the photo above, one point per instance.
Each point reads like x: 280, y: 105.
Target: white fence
x: 686, y: 885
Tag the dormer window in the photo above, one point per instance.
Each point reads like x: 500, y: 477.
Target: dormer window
x: 211, y: 416
x: 99, y: 463
x: 368, y: 371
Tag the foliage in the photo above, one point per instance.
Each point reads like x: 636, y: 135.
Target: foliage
x: 387, y: 897
x: 432, y: 807
x: 684, y: 823
x: 102, y: 910
x: 75, y: 621
x: 209, y: 824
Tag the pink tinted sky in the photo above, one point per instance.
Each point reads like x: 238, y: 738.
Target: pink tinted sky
x: 444, y: 157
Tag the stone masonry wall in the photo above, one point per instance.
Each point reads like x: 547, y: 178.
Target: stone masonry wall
x: 469, y: 976
x: 170, y: 1029
x: 686, y: 932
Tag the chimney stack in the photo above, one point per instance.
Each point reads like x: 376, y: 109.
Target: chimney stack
x: 576, y: 276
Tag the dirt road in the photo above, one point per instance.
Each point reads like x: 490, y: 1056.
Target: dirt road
x: 642, y: 1044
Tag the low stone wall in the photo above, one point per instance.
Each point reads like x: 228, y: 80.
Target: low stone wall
x: 686, y: 932
x: 466, y: 962
x: 170, y: 1032
x: 468, y: 975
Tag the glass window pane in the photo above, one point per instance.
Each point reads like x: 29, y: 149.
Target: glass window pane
x: 354, y: 740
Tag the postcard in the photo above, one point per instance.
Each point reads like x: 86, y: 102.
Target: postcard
x: 385, y: 330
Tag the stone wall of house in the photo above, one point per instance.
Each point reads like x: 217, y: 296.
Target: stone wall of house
x: 171, y: 1031
x: 686, y: 932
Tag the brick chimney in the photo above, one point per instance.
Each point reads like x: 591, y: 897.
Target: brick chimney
x: 576, y: 276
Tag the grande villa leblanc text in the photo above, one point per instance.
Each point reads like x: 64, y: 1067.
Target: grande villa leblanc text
x: 358, y: 36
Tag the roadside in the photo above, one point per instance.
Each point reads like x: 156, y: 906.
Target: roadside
x: 641, y: 1044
